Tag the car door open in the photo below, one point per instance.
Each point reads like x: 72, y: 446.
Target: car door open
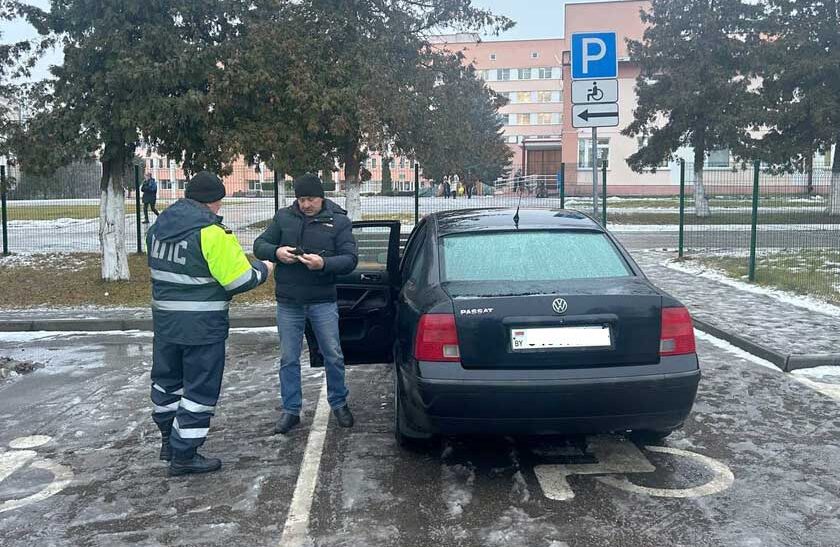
x: 366, y: 296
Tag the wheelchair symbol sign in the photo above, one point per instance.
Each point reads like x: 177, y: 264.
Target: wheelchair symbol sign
x: 22, y: 455
x: 617, y: 457
x: 594, y: 91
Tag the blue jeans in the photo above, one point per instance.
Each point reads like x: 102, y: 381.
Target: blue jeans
x: 291, y: 321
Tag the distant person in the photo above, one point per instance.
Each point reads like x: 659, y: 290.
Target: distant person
x: 470, y: 188
x: 447, y: 189
x: 456, y: 186
x: 149, y: 189
x: 517, y: 177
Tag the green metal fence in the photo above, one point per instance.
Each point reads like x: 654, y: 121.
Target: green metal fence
x: 781, y: 230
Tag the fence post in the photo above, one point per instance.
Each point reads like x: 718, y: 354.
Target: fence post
x: 753, y: 231
x: 5, y: 219
x: 276, y: 191
x: 604, y: 194
x: 682, y: 207
x: 137, y: 208
x: 416, y: 193
x: 562, y: 181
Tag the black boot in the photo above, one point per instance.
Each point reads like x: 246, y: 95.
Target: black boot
x: 197, y: 464
x: 286, y: 423
x: 165, y: 449
x: 344, y: 416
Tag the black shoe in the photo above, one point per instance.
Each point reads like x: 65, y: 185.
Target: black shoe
x: 286, y: 423
x: 198, y: 464
x: 165, y: 450
x: 344, y: 416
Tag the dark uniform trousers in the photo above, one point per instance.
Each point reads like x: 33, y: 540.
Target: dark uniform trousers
x: 186, y: 381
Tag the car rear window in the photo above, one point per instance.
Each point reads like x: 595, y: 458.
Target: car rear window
x: 531, y: 256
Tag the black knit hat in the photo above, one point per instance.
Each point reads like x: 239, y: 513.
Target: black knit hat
x: 205, y: 187
x: 308, y: 186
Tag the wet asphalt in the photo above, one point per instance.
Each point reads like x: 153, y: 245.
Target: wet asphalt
x: 780, y: 440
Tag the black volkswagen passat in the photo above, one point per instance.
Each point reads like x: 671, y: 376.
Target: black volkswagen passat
x: 536, y: 322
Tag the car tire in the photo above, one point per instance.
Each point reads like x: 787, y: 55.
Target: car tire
x: 407, y: 437
x: 651, y: 436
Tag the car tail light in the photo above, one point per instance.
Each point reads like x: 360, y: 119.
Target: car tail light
x: 677, y: 336
x: 437, y: 338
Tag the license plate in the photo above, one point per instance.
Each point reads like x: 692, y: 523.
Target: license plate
x: 596, y: 336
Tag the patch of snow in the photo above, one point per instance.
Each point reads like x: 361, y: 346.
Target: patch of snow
x: 458, y: 483
x: 807, y: 302
x: 56, y: 224
x: 819, y: 373
x: 516, y: 527
x: 611, y: 226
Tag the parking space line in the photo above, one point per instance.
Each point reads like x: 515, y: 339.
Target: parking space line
x: 295, y: 531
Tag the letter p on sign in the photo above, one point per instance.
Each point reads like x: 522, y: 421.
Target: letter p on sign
x: 594, y: 55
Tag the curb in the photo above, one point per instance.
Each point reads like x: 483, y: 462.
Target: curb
x: 785, y: 362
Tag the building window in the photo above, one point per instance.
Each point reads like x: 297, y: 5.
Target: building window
x: 544, y: 73
x: 523, y: 119
x: 254, y: 185
x: 490, y: 75
x: 373, y: 163
x: 151, y: 163
x: 543, y: 96
x: 535, y: 55
x: 182, y: 183
x: 544, y: 118
x: 585, y: 152
x: 524, y: 73
x: 512, y: 139
x: 402, y: 163
x: 504, y: 74
x: 402, y: 176
x: 523, y: 97
x: 165, y: 185
x: 718, y: 158
x: 492, y: 56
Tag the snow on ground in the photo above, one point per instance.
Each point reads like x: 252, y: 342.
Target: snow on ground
x: 806, y: 302
x: 720, y: 227
x: 825, y: 380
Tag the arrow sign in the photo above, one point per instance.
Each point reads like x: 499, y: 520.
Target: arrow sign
x: 595, y: 115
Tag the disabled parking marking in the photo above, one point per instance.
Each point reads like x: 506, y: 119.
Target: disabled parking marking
x: 723, y: 478
x: 617, y: 456
x: 16, y: 459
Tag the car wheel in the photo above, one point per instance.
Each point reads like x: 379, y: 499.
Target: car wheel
x: 406, y: 437
x: 651, y: 436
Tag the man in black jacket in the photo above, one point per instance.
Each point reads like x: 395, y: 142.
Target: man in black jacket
x: 311, y: 242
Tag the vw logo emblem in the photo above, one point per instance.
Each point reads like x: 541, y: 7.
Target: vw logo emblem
x: 559, y: 306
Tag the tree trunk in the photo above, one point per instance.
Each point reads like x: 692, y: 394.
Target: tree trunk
x: 112, y: 222
x: 353, y: 200
x: 387, y: 185
x: 701, y: 202
x: 834, y: 192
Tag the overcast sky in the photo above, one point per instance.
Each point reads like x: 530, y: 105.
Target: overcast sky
x: 534, y: 19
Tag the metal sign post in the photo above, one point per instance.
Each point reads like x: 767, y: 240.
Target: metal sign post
x: 595, y: 172
x: 594, y: 90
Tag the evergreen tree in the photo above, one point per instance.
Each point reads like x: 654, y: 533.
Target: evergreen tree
x: 693, y: 88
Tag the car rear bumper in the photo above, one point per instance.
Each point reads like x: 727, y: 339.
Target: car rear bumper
x: 553, y: 401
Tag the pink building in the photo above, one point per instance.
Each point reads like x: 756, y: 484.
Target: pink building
x: 535, y: 76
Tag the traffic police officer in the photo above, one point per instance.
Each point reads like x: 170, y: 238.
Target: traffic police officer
x: 197, y: 265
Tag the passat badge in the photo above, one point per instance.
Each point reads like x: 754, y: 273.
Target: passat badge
x: 559, y: 306
x: 476, y: 311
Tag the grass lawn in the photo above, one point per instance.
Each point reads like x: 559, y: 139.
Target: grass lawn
x: 51, y: 211
x: 71, y: 280
x: 809, y: 272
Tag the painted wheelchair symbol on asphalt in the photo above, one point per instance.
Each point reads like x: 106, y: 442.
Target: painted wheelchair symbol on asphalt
x: 621, y: 457
x: 19, y: 457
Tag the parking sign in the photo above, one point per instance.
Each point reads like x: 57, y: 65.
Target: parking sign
x: 594, y: 55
